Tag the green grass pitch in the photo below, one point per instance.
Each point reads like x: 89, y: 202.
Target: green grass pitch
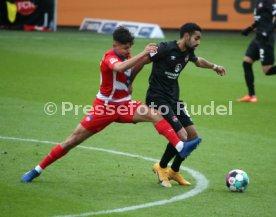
x: 36, y: 68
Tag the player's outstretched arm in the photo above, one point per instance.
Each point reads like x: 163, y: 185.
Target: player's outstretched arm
x: 138, y: 67
x: 123, y: 66
x: 203, y: 63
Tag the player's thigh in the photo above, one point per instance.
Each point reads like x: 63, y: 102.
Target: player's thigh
x: 95, y: 122
x: 167, y: 111
x: 252, y: 52
x: 136, y: 111
x: 185, y: 120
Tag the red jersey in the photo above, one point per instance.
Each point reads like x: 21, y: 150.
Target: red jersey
x: 114, y: 85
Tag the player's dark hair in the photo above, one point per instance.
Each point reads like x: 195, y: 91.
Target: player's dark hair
x: 123, y: 35
x: 189, y: 28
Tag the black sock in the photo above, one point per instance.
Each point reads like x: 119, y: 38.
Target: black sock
x: 169, y: 153
x: 271, y: 71
x: 177, y: 163
x: 249, y: 77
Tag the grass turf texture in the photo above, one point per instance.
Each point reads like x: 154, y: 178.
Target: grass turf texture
x: 37, y: 68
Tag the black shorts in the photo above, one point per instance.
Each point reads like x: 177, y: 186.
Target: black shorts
x: 176, y: 114
x: 261, y: 50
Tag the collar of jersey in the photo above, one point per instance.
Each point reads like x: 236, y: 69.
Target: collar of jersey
x: 118, y: 55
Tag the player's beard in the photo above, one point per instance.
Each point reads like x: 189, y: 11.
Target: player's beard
x: 189, y: 46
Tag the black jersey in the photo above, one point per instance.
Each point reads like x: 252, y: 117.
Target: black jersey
x: 264, y: 12
x: 168, y: 62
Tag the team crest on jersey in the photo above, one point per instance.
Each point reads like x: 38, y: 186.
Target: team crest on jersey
x: 178, y: 68
x: 173, y: 57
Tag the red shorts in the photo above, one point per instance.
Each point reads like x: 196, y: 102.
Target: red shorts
x: 102, y: 115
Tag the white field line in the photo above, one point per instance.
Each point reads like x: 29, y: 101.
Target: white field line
x: 201, y: 181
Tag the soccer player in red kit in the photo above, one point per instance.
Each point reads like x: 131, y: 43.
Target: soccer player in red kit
x: 113, y: 103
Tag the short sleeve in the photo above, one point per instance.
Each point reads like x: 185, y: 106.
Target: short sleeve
x: 193, y: 57
x: 161, y: 50
x: 110, y: 60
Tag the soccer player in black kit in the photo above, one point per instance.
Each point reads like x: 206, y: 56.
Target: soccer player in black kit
x: 261, y: 47
x: 163, y: 94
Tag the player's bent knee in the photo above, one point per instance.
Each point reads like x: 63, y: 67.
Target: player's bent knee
x: 153, y: 116
x: 193, y: 136
x: 247, y: 59
x: 266, y: 69
x: 144, y: 113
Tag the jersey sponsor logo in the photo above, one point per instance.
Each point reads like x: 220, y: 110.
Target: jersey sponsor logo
x: 172, y: 75
x: 113, y: 60
x: 178, y: 68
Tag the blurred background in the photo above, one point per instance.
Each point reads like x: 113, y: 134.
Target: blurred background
x: 49, y: 15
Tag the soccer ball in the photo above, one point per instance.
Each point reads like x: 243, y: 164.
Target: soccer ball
x: 237, y: 180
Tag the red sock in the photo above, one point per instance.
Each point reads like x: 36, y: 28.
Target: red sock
x: 56, y: 153
x: 164, y: 128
